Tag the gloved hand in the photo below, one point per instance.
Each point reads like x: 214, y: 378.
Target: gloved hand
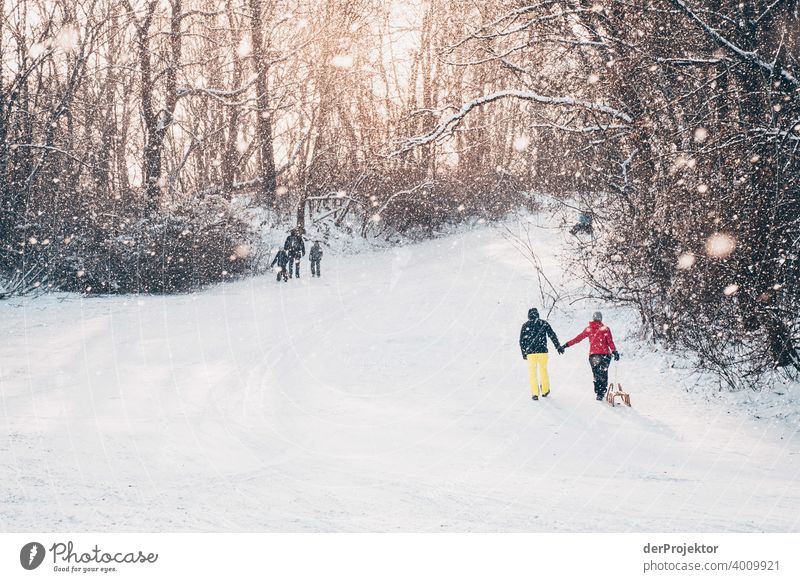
x: 561, y: 349
x: 616, y: 356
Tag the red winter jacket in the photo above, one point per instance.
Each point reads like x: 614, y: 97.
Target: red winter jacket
x: 600, y: 340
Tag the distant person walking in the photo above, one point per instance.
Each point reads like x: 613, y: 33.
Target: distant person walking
x: 282, y: 258
x: 315, y: 256
x: 584, y: 223
x: 533, y: 345
x: 601, y: 350
x: 296, y: 249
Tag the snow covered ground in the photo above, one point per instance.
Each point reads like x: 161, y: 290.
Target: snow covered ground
x: 388, y: 396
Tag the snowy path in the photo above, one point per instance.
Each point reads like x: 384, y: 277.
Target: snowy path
x: 389, y: 395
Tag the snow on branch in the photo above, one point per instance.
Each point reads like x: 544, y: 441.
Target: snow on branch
x: 218, y: 94
x: 50, y: 149
x: 748, y: 56
x: 767, y: 11
x: 510, y: 18
x: 445, y: 126
x: 689, y: 61
x: 235, y: 187
x: 385, y: 205
x: 582, y: 129
x: 250, y: 184
x: 490, y: 58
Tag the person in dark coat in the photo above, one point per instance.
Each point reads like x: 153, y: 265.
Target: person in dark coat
x: 584, y: 223
x: 533, y: 345
x: 296, y: 249
x: 601, y: 350
x: 315, y: 256
x: 282, y: 258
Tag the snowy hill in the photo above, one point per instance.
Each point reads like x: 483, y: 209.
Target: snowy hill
x: 389, y: 395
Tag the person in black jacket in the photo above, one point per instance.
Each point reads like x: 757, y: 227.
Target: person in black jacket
x: 295, y: 248
x: 533, y: 345
x: 282, y: 258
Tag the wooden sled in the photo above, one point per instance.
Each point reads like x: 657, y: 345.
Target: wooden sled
x: 615, y: 391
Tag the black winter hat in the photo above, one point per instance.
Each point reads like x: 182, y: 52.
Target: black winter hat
x: 533, y: 313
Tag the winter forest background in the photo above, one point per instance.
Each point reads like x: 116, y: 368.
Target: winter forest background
x: 145, y: 143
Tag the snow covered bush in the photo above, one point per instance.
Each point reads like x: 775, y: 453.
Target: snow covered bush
x: 173, y: 250
x: 699, y: 219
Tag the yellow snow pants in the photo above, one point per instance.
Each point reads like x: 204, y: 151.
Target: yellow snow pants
x: 537, y: 366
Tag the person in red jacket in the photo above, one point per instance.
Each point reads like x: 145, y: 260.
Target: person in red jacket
x: 601, y: 349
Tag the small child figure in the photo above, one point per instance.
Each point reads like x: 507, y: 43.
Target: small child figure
x: 315, y: 256
x: 282, y: 258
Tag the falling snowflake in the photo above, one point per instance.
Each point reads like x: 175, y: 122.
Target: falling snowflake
x: 37, y: 50
x: 342, y: 61
x: 720, y: 245
x: 700, y: 134
x: 521, y: 143
x: 68, y: 38
x: 686, y: 261
x: 245, y: 48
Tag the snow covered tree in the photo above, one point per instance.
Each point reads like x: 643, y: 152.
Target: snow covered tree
x: 676, y: 124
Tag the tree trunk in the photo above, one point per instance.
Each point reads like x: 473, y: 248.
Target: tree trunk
x: 157, y: 123
x: 266, y: 191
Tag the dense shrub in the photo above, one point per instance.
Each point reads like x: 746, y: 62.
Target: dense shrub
x: 173, y: 250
